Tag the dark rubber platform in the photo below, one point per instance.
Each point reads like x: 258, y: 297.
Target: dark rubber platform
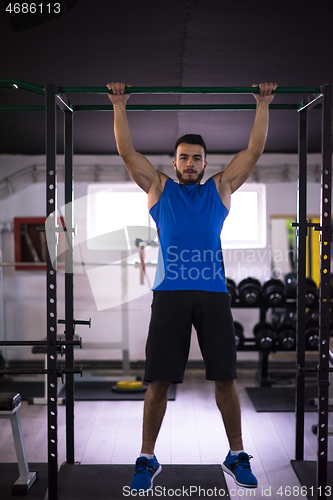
x: 306, y: 471
x: 9, y: 473
x: 111, y: 482
x: 274, y: 399
x: 102, y: 391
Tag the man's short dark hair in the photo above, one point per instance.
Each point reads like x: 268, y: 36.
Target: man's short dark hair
x: 191, y: 139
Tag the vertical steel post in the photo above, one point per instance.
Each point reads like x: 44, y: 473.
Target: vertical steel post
x: 51, y: 292
x: 301, y: 233
x: 69, y: 283
x: 324, y: 294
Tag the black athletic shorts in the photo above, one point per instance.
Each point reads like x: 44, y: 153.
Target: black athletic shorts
x: 168, y: 342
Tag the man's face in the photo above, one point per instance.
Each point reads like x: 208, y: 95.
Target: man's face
x: 190, y: 163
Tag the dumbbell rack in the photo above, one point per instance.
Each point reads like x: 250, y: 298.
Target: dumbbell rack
x: 249, y: 343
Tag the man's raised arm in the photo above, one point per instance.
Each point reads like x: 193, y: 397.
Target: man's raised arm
x: 242, y: 165
x: 139, y: 168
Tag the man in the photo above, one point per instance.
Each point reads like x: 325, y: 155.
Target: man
x: 189, y: 285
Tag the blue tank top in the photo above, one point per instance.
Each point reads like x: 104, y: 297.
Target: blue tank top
x: 189, y: 220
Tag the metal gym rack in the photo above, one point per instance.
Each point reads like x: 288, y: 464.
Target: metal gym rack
x: 55, y: 98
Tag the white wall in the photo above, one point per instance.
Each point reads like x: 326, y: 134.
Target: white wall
x: 24, y: 291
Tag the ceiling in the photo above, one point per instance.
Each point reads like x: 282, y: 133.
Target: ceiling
x: 165, y: 43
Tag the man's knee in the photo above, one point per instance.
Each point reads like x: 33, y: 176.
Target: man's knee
x: 225, y: 386
x: 159, y: 388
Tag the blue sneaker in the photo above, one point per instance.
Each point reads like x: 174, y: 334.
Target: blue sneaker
x: 239, y: 468
x: 145, y: 472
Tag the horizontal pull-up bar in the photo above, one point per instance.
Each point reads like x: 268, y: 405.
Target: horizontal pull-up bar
x: 40, y: 89
x: 160, y: 107
x: 183, y: 107
x: 190, y: 90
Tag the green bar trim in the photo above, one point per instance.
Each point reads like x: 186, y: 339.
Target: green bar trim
x: 161, y: 107
x: 31, y: 87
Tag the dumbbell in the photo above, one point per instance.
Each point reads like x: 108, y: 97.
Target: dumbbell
x: 286, y: 335
x: 273, y: 292
x: 311, y: 335
x: 265, y: 336
x: 232, y: 290
x: 290, y: 314
x: 311, y: 292
x: 249, y: 291
x: 239, y: 334
x: 290, y: 285
x: 312, y: 315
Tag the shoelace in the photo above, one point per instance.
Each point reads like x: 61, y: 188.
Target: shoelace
x: 142, y: 465
x: 244, y: 461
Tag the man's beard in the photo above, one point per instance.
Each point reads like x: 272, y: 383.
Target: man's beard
x: 189, y: 181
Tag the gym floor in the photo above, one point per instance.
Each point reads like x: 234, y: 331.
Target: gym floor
x: 109, y: 432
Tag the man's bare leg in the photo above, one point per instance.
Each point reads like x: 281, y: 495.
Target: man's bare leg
x: 236, y: 464
x: 154, y: 409
x: 228, y: 404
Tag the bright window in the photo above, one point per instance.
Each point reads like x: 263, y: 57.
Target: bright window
x: 245, y: 226
x: 112, y: 207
